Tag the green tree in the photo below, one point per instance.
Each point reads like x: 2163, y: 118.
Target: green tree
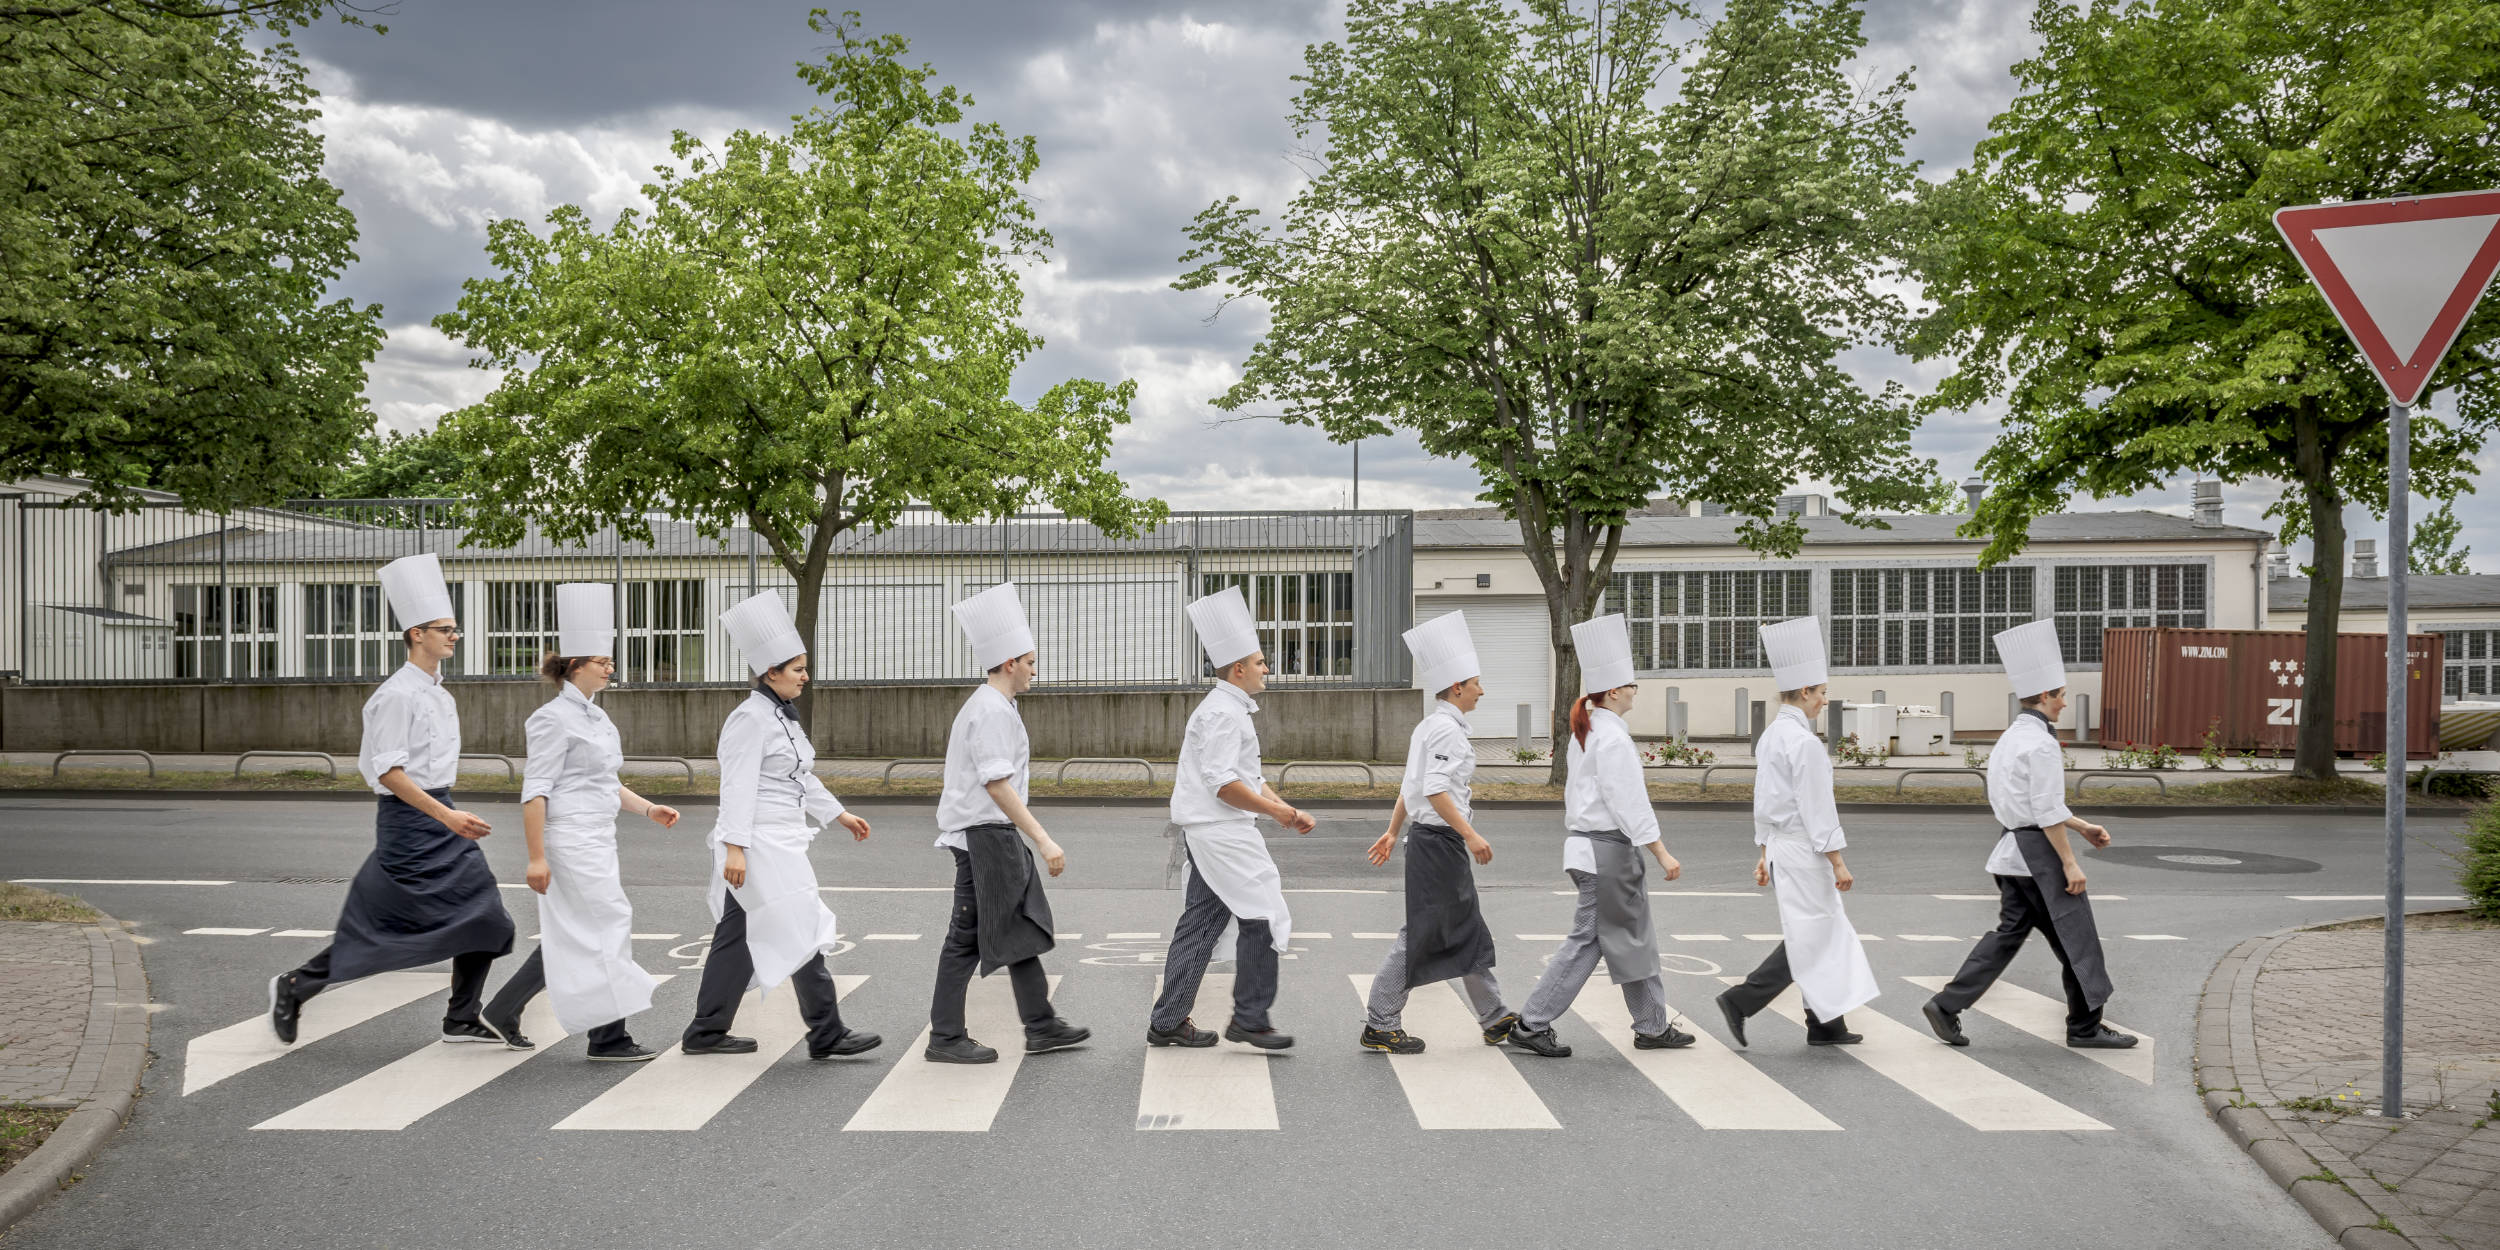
x: 1592, y: 260
x: 166, y: 245
x: 2435, y: 548
x: 804, y: 333
x: 2109, y: 263
x: 391, y: 465
x: 1940, y: 496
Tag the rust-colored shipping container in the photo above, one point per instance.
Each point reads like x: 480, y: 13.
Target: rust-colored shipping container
x: 2170, y: 685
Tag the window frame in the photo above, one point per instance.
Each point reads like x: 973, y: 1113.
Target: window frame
x: 1726, y: 645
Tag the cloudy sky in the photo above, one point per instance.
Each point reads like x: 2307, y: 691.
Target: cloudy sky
x: 1145, y: 111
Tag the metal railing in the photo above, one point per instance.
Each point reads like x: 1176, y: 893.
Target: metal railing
x: 2136, y: 774
x: 1371, y: 780
x: 57, y: 758
x: 324, y: 756
x: 1062, y: 773
x: 679, y: 760
x: 511, y: 770
x: 1907, y: 773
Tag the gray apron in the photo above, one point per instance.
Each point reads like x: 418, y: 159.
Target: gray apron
x: 2070, y: 914
x: 1624, y: 934
x: 1445, y: 933
x: 1014, y: 923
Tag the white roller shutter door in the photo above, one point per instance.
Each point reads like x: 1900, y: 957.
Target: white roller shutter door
x: 1517, y: 653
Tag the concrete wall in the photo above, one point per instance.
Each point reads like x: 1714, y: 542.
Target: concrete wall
x: 856, y: 722
x: 1978, y: 699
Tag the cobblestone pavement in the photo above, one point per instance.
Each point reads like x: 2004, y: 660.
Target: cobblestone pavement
x: 47, y: 998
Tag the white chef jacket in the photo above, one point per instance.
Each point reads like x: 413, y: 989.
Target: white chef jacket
x: 1220, y: 747
x: 574, y: 753
x: 2026, y: 787
x: 411, y: 723
x: 1792, y: 786
x: 1605, y: 789
x: 987, y: 743
x: 765, y: 777
x: 1439, y: 760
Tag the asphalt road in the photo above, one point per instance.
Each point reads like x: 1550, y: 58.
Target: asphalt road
x: 1900, y: 1159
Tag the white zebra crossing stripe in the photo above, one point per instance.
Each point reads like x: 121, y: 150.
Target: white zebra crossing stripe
x: 1710, y: 1082
x: 1224, y: 1086
x: 1960, y: 1086
x: 218, y: 932
x: 678, y: 1092
x: 2044, y: 1017
x: 248, y: 1043
x: 919, y: 1096
x: 1458, y: 1082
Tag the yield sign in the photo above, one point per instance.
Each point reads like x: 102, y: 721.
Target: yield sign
x: 2402, y: 275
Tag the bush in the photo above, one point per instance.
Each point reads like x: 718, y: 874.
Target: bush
x: 2479, y: 863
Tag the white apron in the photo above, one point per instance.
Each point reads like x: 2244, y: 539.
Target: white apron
x: 787, y: 920
x: 1824, y: 955
x: 587, y: 927
x: 1234, y: 860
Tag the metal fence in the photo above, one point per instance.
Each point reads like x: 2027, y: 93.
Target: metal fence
x: 166, y: 594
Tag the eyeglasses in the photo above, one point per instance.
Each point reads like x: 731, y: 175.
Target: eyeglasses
x: 448, y: 631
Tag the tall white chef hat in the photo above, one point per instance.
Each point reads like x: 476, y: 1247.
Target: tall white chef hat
x: 585, y: 619
x: 1605, y: 647
x: 993, y: 623
x: 2031, y: 658
x: 1224, y: 626
x: 416, y: 589
x: 761, y: 630
x: 1445, y: 653
x: 1795, y: 651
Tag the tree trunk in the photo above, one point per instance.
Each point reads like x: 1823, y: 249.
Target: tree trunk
x: 1574, y: 583
x: 2313, y: 755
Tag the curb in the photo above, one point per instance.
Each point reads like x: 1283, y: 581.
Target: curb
x: 2297, y: 1160
x: 124, y: 1047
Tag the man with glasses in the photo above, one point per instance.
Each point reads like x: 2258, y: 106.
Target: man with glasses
x: 425, y: 894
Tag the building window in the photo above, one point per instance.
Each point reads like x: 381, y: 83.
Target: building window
x: 520, y: 626
x: 2094, y: 597
x: 350, y: 631
x: 1897, y: 618
x: 664, y: 625
x: 225, y: 631
x: 1708, y: 620
x: 2473, y: 663
x: 1306, y: 620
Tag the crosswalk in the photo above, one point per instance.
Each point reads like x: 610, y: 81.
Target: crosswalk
x: 1458, y: 1084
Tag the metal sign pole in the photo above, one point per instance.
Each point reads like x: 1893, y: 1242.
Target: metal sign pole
x: 2399, y: 543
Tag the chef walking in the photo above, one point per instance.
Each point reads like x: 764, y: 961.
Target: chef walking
x: 1797, y: 825
x: 570, y: 795
x: 1444, y: 935
x: 425, y: 894
x: 1001, y: 917
x: 770, y: 922
x: 1608, y: 822
x: 1217, y: 794
x: 2040, y: 884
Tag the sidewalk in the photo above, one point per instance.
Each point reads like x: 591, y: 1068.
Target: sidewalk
x: 2287, y: 1056
x: 73, y: 1038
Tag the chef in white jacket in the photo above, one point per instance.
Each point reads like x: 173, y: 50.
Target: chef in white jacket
x: 1608, y: 823
x: 1217, y: 794
x: 771, y: 924
x: 570, y: 795
x: 1797, y: 825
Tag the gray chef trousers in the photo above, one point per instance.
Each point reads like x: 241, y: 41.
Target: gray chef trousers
x: 1389, y: 990
x: 1570, y: 967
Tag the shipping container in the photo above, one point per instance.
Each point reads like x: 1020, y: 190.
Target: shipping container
x: 2169, y: 686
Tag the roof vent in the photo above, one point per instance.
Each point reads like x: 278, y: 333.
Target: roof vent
x: 2365, y: 557
x: 1973, y: 487
x: 2278, y: 564
x: 2207, y: 500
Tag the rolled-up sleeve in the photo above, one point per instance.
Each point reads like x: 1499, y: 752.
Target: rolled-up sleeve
x: 1435, y: 772
x: 390, y: 727
x: 2044, y: 784
x: 741, y: 760
x: 547, y: 743
x: 1625, y: 790
x: 1816, y: 808
x: 994, y: 748
x: 1219, y: 755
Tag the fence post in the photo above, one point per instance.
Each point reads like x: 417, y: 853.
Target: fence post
x: 616, y: 604
x: 1680, y: 723
x: 1736, y: 725
x: 1758, y: 718
x: 2083, y: 716
x: 225, y: 606
x: 2013, y: 707
x: 1944, y: 704
x: 1524, y: 718
x: 1833, y: 729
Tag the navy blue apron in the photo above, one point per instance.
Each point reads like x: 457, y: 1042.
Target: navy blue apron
x: 423, y: 896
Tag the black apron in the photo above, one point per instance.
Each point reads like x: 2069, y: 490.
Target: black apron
x: 1014, y: 922
x: 2070, y: 914
x: 1624, y: 932
x: 423, y: 896
x: 1445, y: 933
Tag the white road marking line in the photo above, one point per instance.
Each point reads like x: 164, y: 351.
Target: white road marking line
x: 1698, y: 937
x: 920, y: 1096
x: 2373, y: 898
x: 216, y: 932
x: 248, y: 1043
x: 1132, y: 937
x: 1870, y: 937
x: 678, y: 1092
x: 105, y: 881
x: 1958, y: 1085
x: 1459, y: 1082
x: 1539, y: 937
x: 1224, y: 1086
x: 423, y: 1082
x: 1066, y: 937
x: 1692, y: 893
x: 1378, y: 937
x: 316, y: 933
x: 1967, y: 898
x: 1929, y: 937
x: 1318, y: 891
x: 884, y: 889
x: 1713, y: 1084
x: 1300, y: 934
x: 2044, y: 1017
x: 893, y: 937
x: 1765, y: 937
x: 2155, y: 937
x: 655, y: 937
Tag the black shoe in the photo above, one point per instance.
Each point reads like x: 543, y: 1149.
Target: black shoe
x: 1056, y: 1035
x: 961, y: 1050
x: 1182, y: 1034
x: 2103, y: 1038
x: 508, y: 1034
x: 470, y: 1031
x: 1835, y: 1039
x: 852, y: 1042
x: 1947, y: 1024
x: 285, y: 1009
x: 1735, y: 1019
x: 1538, y: 1041
x: 1401, y: 1042
x: 725, y: 1045
x: 1673, y: 1039
x: 1498, y: 1032
x: 626, y: 1053
x: 1264, y: 1039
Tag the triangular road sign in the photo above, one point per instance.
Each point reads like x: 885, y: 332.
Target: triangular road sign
x: 2402, y: 275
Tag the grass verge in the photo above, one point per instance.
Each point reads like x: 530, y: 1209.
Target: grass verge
x: 25, y: 902
x: 23, y: 1128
